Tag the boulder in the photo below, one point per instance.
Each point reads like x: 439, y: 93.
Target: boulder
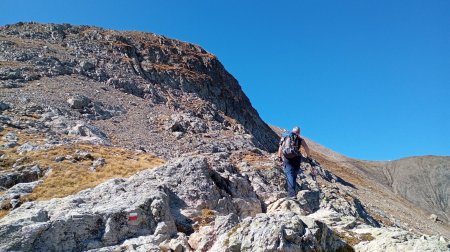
x: 10, y: 137
x: 26, y: 147
x: 164, y: 199
x: 87, y: 66
x: 433, y: 217
x: 126, y: 85
x: 99, y: 162
x: 395, y: 239
x: 286, y: 204
x: 178, y: 244
x: 15, y: 193
x: 78, y: 101
x: 282, y: 231
x: 4, y: 106
x: 90, y: 133
x: 22, y: 174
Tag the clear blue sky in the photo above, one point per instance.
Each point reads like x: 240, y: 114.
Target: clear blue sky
x: 369, y: 79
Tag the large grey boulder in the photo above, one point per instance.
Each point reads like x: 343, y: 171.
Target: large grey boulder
x: 395, y: 239
x: 10, y: 199
x: 165, y: 199
x: 94, y: 218
x: 282, y: 231
x: 90, y: 133
x: 20, y: 174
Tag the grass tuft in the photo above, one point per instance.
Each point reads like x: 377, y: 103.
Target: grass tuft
x: 3, y: 213
x: 352, y: 238
x: 206, y: 217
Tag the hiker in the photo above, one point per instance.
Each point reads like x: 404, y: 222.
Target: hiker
x: 289, y: 154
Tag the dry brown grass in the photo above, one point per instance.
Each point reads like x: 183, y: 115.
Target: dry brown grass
x: 67, y: 178
x: 180, y: 69
x: 10, y: 154
x: 3, y: 213
x: 71, y: 176
x: 352, y: 238
x: 252, y: 157
x: 340, y: 170
x: 255, y: 160
x: 207, y: 216
x: 13, y: 64
x: 127, y: 60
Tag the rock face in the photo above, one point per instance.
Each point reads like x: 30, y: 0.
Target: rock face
x: 165, y: 200
x: 141, y: 64
x: 64, y: 86
x: 283, y: 231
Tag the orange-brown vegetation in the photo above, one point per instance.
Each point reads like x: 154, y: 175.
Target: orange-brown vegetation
x: 3, y: 213
x: 206, y: 217
x: 353, y: 238
x: 73, y: 175
x: 67, y: 178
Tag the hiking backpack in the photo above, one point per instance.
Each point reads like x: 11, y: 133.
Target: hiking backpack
x: 288, y: 148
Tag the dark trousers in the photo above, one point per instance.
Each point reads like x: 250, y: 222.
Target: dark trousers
x: 291, y: 170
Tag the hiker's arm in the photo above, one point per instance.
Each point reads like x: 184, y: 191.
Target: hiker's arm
x: 279, y: 151
x: 305, y: 145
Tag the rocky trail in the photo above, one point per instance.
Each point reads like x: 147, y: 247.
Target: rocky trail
x: 130, y: 141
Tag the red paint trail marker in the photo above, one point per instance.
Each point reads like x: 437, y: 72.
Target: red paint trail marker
x: 132, y: 216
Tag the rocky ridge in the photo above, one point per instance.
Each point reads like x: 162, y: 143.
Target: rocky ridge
x: 220, y: 189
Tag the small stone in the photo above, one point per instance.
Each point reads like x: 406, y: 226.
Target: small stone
x: 78, y: 102
x: 20, y: 161
x: 433, y: 217
x: 11, y: 137
x: 15, y: 203
x: 83, y: 155
x: 4, y: 106
x: 99, y: 162
x: 87, y: 66
x: 8, y: 145
x: 178, y: 134
x: 26, y: 147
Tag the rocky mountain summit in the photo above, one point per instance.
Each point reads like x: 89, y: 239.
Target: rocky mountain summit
x: 130, y: 141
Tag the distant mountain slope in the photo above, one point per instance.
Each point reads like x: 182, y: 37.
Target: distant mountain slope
x: 424, y: 181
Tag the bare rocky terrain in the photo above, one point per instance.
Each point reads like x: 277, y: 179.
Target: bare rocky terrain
x: 130, y: 141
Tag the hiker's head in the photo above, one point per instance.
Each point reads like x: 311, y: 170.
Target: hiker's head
x: 296, y: 130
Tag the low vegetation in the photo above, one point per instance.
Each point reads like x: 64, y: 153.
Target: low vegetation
x: 352, y: 238
x: 257, y: 161
x: 68, y: 177
x: 206, y: 217
x: 230, y: 233
x: 69, y: 167
x: 3, y: 213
